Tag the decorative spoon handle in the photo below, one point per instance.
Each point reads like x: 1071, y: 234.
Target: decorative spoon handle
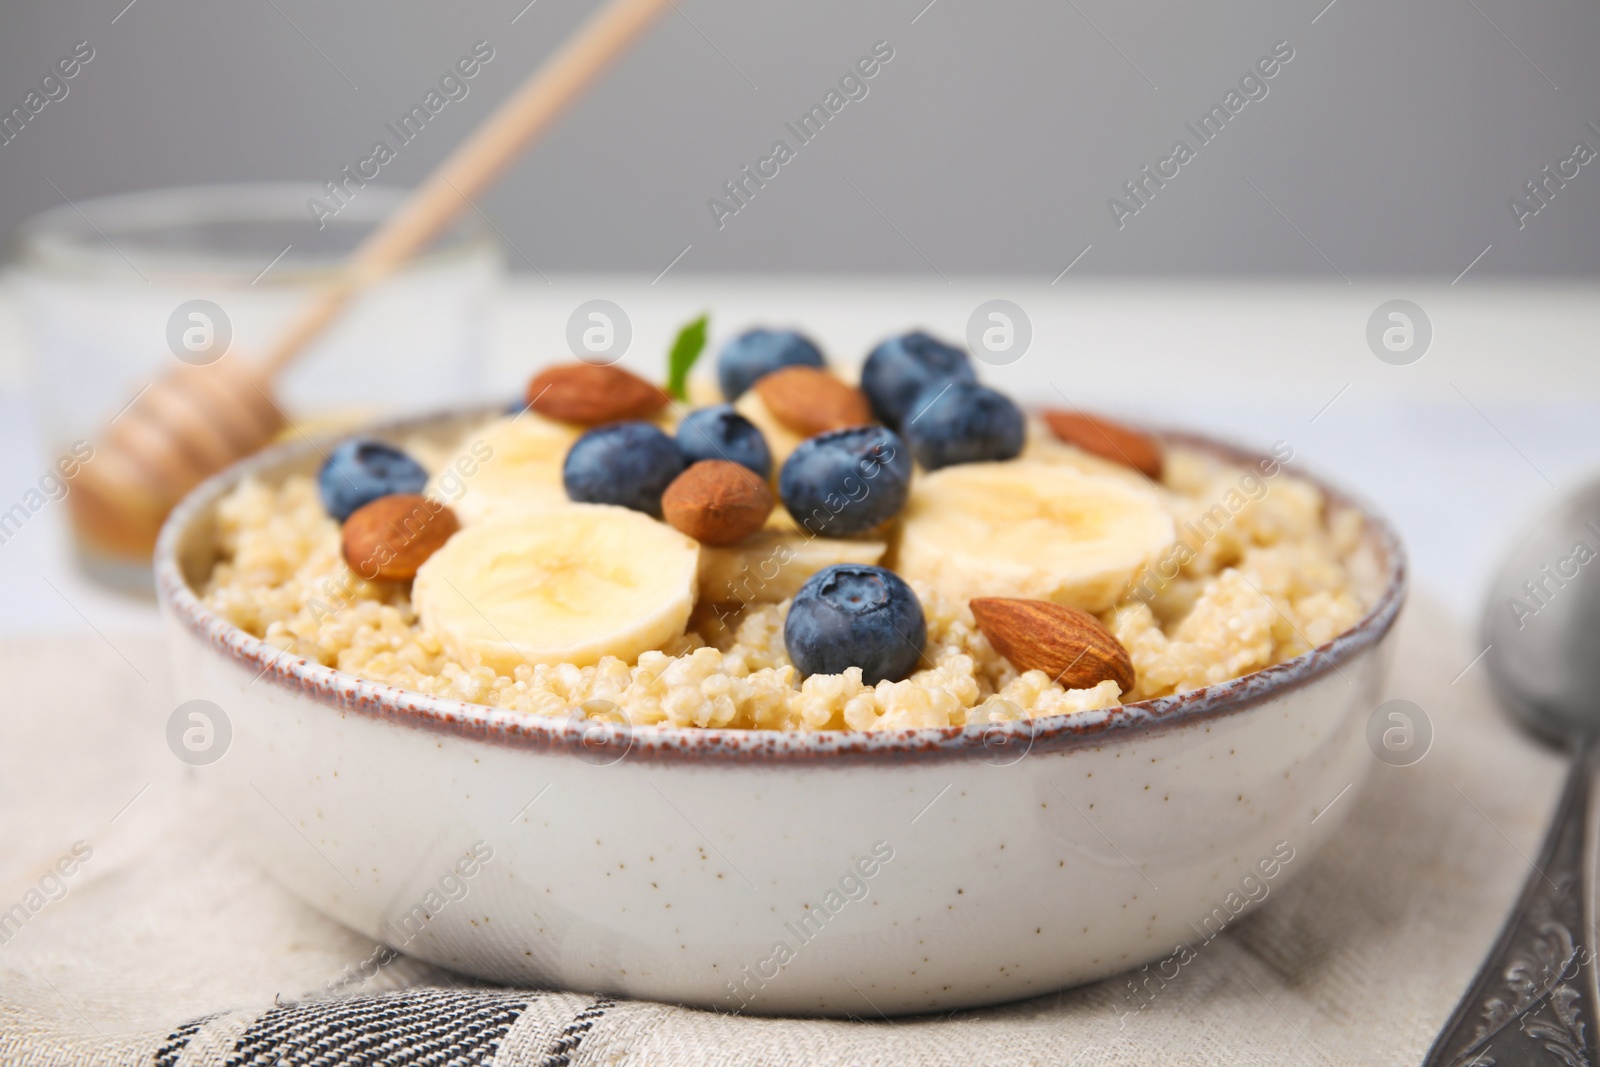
x: 1534, y: 1001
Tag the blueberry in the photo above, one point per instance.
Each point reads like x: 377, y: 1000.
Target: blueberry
x: 901, y: 367
x: 845, y: 482
x: 719, y: 432
x: 853, y: 615
x: 963, y: 422
x: 626, y: 463
x: 361, y: 470
x: 759, y: 352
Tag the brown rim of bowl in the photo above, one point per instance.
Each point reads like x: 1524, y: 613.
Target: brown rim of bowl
x: 597, y: 742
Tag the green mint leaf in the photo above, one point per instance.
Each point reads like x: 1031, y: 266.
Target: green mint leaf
x: 691, y: 340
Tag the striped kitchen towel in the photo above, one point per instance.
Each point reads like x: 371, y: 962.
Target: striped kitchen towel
x: 142, y: 937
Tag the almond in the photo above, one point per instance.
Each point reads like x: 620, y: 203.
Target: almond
x: 388, y: 539
x: 717, y: 502
x: 810, y: 401
x: 589, y: 395
x: 1069, y: 645
x: 1108, y: 440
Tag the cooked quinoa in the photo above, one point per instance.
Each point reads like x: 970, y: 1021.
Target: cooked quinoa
x: 1263, y: 571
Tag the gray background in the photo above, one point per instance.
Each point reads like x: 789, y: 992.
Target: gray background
x: 991, y: 143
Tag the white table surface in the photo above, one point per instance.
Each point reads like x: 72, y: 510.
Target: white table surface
x: 1459, y: 449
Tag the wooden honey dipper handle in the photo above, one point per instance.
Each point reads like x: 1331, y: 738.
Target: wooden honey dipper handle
x: 194, y: 421
x: 475, y: 163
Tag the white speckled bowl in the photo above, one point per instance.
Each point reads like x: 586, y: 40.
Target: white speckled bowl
x: 818, y: 874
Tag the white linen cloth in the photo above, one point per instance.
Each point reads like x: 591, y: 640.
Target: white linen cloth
x: 1358, y: 960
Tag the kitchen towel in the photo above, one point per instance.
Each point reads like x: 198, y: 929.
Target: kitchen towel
x: 162, y: 945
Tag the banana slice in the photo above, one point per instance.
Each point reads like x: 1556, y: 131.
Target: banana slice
x: 509, y: 465
x: 773, y: 564
x: 704, y: 391
x: 1043, y: 531
x: 780, y: 439
x: 569, y: 584
x: 1042, y: 446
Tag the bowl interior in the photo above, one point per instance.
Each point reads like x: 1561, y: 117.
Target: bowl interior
x: 188, y: 549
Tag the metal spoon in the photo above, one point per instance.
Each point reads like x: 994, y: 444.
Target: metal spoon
x: 1535, y: 1001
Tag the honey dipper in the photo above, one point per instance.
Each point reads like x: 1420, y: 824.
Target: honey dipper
x: 196, y: 420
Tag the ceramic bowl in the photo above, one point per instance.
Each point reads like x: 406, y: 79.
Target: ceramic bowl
x: 841, y: 874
